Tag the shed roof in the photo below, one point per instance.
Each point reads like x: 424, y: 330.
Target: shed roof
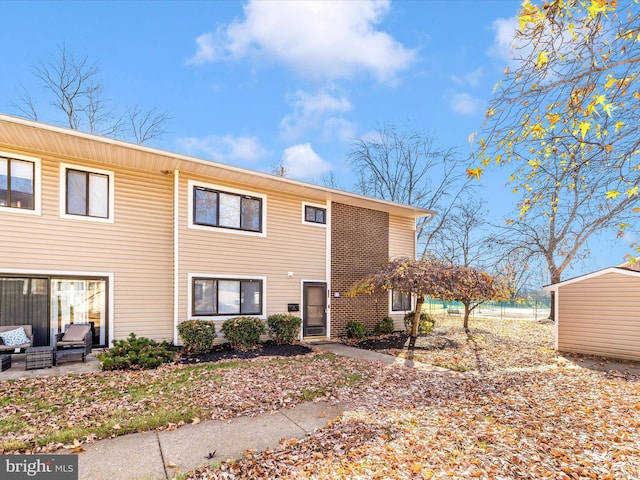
x: 42, y: 139
x: 627, y: 268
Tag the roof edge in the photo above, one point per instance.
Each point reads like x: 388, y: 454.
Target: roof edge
x: 619, y: 269
x: 417, y: 212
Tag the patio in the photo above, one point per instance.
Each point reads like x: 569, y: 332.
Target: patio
x: 18, y: 367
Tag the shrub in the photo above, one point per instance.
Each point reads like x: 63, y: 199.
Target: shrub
x: 356, y: 329
x: 425, y: 326
x: 135, y: 352
x: 243, y: 333
x: 198, y: 336
x: 284, y: 328
x: 384, y: 326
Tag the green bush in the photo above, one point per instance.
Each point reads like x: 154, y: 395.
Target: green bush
x: 356, y: 329
x: 425, y: 326
x: 243, y: 333
x: 135, y: 352
x: 284, y: 328
x: 198, y: 336
x: 384, y: 326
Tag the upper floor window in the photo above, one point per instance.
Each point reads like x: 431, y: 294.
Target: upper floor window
x: 227, y: 209
x: 17, y: 183
x: 86, y: 193
x: 400, y: 301
x: 314, y: 214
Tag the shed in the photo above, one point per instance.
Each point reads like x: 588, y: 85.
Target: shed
x: 599, y: 313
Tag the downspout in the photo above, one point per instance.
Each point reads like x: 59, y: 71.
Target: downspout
x: 328, y: 267
x: 176, y: 252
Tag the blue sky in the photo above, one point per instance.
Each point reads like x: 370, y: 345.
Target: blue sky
x: 255, y: 84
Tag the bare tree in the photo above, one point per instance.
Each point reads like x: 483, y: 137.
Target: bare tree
x: 147, y: 124
x: 74, y: 90
x: 408, y: 167
x: 464, y: 239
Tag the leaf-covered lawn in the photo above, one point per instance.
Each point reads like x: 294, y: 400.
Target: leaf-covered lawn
x: 494, y: 345
x: 43, y: 414
x: 524, y: 412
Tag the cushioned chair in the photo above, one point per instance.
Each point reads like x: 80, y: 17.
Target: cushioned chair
x: 12, y: 348
x: 76, y: 335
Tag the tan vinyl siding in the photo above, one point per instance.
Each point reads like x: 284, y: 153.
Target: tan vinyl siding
x: 136, y: 248
x: 289, y: 246
x: 600, y: 316
x: 402, y: 235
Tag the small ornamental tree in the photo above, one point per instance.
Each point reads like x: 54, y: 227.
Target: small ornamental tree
x: 437, y: 279
x: 420, y: 278
x: 470, y: 287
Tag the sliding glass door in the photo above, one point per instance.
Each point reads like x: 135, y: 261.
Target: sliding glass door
x: 76, y: 300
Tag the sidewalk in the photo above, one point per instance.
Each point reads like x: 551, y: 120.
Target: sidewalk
x: 160, y: 455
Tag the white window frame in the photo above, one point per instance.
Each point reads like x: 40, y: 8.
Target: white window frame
x: 222, y: 318
x: 37, y: 185
x: 63, y: 193
x: 192, y: 184
x: 401, y: 312
x: 316, y: 205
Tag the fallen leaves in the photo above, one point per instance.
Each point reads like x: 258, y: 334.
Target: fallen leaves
x: 514, y: 417
x: 40, y: 414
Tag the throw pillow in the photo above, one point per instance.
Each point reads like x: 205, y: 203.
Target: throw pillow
x: 15, y: 337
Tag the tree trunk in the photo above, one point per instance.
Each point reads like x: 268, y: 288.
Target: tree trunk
x: 555, y: 278
x: 416, y: 316
x: 467, y: 311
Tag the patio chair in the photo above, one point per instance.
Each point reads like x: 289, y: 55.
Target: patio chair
x: 75, y: 336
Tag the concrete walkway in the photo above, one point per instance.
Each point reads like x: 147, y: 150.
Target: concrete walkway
x: 353, y: 352
x: 160, y: 455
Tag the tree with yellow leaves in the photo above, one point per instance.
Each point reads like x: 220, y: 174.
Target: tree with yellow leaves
x: 564, y: 124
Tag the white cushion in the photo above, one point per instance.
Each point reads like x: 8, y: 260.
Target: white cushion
x: 14, y: 337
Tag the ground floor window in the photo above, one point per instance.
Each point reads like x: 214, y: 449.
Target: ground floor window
x: 401, y: 302
x: 226, y: 296
x: 50, y: 303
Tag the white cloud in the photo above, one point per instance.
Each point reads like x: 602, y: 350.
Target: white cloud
x: 470, y: 78
x: 504, y: 40
x: 300, y: 161
x: 465, y: 104
x: 339, y: 128
x: 317, y: 39
x: 225, y: 148
x: 314, y: 111
x: 206, y: 50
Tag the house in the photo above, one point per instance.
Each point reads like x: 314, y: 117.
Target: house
x: 136, y: 239
x: 599, y: 313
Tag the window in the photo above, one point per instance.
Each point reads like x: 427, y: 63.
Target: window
x: 86, y: 193
x: 223, y: 296
x: 214, y: 208
x: 17, y: 183
x: 401, y: 302
x: 314, y: 214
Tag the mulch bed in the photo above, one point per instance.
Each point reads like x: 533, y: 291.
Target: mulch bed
x: 400, y: 341
x: 225, y: 352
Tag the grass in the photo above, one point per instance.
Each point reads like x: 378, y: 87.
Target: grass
x: 40, y: 414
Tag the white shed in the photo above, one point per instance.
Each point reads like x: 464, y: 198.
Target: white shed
x: 599, y: 313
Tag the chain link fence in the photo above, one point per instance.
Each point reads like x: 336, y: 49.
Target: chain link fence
x: 533, y: 309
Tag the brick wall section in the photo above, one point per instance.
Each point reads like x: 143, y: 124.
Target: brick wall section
x: 359, y: 244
